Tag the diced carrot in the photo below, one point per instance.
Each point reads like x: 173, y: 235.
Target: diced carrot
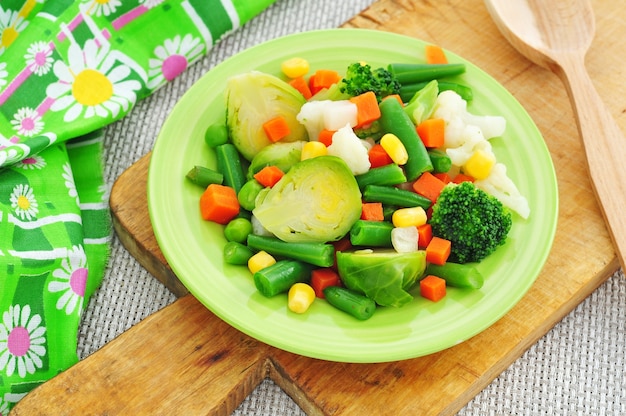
x: 372, y: 211
x: 424, y: 235
x: 438, y: 250
x: 323, y: 78
x: 428, y: 185
x: 395, y: 96
x: 341, y: 245
x: 435, y: 55
x: 461, y: 177
x: 219, y: 203
x: 429, y: 213
x: 432, y: 131
x: 269, y: 175
x: 322, y: 278
x: 326, y: 137
x: 301, y: 85
x: 378, y: 156
x: 312, y: 85
x: 367, y: 108
x: 443, y: 177
x: 276, y: 128
x: 433, y: 288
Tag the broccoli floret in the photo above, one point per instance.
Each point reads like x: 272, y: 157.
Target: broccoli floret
x: 361, y: 78
x: 474, y: 221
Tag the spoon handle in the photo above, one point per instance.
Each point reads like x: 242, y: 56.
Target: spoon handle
x: 604, y: 144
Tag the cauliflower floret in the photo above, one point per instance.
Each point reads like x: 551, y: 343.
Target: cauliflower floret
x: 326, y: 114
x: 339, y: 113
x: 453, y: 134
x: 451, y: 107
x: 491, y: 126
x: 311, y: 115
x: 351, y: 149
x: 470, y: 141
x: 449, y: 104
x: 502, y: 187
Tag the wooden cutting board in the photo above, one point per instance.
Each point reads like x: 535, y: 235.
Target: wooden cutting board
x: 184, y: 360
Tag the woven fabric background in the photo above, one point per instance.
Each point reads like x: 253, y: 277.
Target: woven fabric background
x: 575, y: 369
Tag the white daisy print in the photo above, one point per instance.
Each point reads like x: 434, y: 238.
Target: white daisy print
x: 72, y: 281
x: 8, y: 155
x: 149, y: 4
x: 173, y: 57
x: 34, y: 162
x: 39, y: 58
x: 102, y: 7
x: 4, y: 407
x: 69, y: 181
x: 23, y: 202
x: 21, y: 341
x: 11, y: 24
x: 27, y: 121
x: 3, y: 74
x: 91, y: 85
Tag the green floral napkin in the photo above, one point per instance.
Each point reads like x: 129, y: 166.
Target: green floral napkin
x: 68, y: 68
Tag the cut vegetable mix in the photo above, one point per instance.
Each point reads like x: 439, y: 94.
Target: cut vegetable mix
x: 343, y: 173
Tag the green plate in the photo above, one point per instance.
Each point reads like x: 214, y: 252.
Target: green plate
x: 193, y: 248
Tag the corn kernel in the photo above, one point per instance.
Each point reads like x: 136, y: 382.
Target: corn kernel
x: 300, y: 297
x: 479, y: 164
x: 260, y: 261
x: 295, y: 67
x: 394, y: 148
x: 313, y: 149
x: 409, y: 217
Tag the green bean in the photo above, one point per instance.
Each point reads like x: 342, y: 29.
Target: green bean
x: 229, y: 165
x: 204, y: 177
x: 280, y: 276
x: 371, y: 233
x: 464, y: 275
x: 440, y: 160
x: 238, y: 230
x: 216, y: 134
x: 355, y: 304
x: 414, y: 73
x: 248, y: 193
x: 319, y: 254
x: 388, y: 211
x: 390, y: 174
x: 395, y: 196
x: 237, y: 253
x: 407, y: 91
x: 394, y: 120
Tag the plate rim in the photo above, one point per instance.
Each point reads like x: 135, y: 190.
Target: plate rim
x: 347, y: 32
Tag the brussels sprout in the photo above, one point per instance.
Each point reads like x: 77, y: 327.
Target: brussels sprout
x: 283, y: 155
x: 317, y: 200
x: 254, y: 98
x: 384, y: 276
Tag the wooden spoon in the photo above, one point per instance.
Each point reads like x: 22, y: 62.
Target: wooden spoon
x: 557, y: 35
